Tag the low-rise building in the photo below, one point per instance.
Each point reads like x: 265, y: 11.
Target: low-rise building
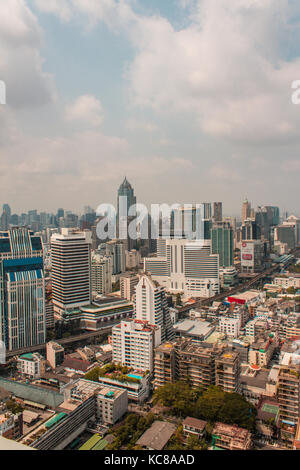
x: 194, y: 427
x: 229, y: 437
x: 31, y: 365
x: 157, y: 436
x: 54, y: 354
x: 199, y: 330
x: 229, y: 326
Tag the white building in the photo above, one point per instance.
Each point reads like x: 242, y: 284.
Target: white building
x: 188, y: 268
x: 230, y: 326
x: 31, y: 365
x: 151, y: 306
x: 157, y: 266
x: 71, y: 269
x: 101, y: 274
x: 133, y: 343
x: 287, y: 282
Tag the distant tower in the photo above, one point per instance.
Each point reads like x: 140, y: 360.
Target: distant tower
x: 218, y: 216
x: 246, y: 210
x: 126, y: 190
x: 6, y: 208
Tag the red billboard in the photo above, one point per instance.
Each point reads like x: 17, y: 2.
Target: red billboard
x: 236, y: 300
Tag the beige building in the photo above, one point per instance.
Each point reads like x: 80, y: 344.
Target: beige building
x: 133, y: 259
x: 164, y: 364
x: 261, y: 351
x: 54, y: 354
x: 228, y: 371
x: 230, y: 437
x: 197, y: 362
x: 127, y: 286
x: 289, y: 391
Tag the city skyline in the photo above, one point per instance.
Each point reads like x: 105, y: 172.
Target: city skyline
x: 126, y: 88
x: 82, y: 210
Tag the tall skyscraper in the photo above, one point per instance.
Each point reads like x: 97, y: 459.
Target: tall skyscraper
x: 71, y: 269
x: 250, y: 230
x: 123, y: 217
x: 6, y: 208
x: 4, y: 221
x: 222, y: 240
x: 246, y: 210
x: 126, y: 190
x: 218, y: 212
x: 151, y: 306
x: 22, y: 294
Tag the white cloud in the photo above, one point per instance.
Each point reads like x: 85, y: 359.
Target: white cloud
x: 21, y: 65
x: 225, y: 69
x: 87, y: 109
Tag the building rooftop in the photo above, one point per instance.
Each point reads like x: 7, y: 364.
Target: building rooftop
x: 254, y: 377
x: 157, y: 436
x: 8, y: 444
x: 195, y: 423
x: 194, y: 328
x: 76, y: 364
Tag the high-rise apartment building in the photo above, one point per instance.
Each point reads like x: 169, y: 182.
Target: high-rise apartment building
x: 164, y: 364
x: 151, y: 306
x: 133, y: 343
x: 222, y: 241
x: 22, y: 289
x: 71, y: 269
x: 288, y: 396
x: 196, y: 362
x: 228, y: 371
x: 116, y: 249
x: 127, y: 285
x: 101, y: 274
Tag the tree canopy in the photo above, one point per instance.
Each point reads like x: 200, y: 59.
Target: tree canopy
x: 210, y: 405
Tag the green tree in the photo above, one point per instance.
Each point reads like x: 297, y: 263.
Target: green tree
x: 193, y: 443
x: 93, y: 374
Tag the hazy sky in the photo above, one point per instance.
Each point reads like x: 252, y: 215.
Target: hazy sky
x: 190, y: 99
